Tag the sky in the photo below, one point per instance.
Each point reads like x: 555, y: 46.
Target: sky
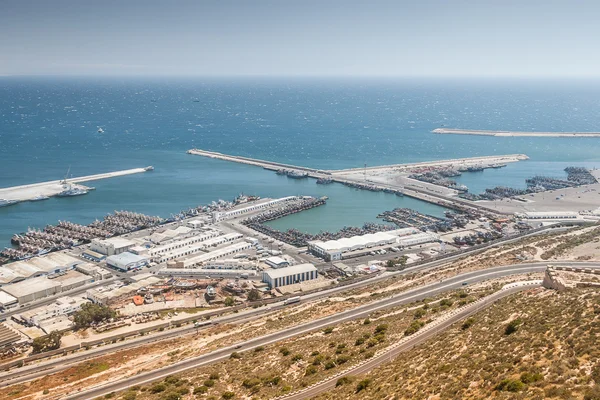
x: 379, y: 38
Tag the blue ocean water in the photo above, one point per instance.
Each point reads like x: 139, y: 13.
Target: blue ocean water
x: 50, y: 124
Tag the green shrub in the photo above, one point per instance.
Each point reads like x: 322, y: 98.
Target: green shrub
x: 510, y: 385
x: 235, y: 355
x: 214, y: 376
x: 228, y: 395
x: 310, y: 370
x: 527, y: 377
x: 468, y: 323
x: 419, y: 313
x: 367, y: 321
x: 362, y: 385
x: 296, y: 357
x: 129, y: 396
x: 209, y: 383
x: 200, y: 390
x: 329, y: 365
x: 344, y: 380
x: 381, y: 328
x: 359, y: 341
x: 512, y: 326
x: 328, y: 330
x: 284, y: 351
x: 250, y: 383
x: 158, y: 387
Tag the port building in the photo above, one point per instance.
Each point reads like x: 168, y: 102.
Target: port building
x: 211, y: 256
x: 47, y: 315
x: 238, y: 212
x: 111, y: 246
x: 38, y: 266
x: 33, y: 289
x: 548, y: 215
x: 335, y: 250
x: 277, y: 262
x: 8, y: 336
x: 126, y: 261
x: 289, y: 275
x: 108, y: 295
x: 207, y: 273
x: 7, y: 301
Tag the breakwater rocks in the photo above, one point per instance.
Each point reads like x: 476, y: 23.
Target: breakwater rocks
x: 576, y: 176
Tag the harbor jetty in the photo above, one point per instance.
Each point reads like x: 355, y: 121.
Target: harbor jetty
x: 388, y: 178
x: 449, y: 131
x: 43, y: 190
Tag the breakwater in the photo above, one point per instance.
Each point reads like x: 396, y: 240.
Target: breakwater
x: 449, y: 131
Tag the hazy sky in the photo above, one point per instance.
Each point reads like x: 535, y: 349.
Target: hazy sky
x: 301, y: 37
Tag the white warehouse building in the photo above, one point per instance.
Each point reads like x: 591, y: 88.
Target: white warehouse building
x: 213, y: 255
x: 223, y: 215
x: 126, y: 261
x: 111, y: 246
x: 289, y: 275
x: 548, y: 215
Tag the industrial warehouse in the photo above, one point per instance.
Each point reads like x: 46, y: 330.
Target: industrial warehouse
x: 289, y: 275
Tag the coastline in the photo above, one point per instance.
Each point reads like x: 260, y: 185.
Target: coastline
x: 448, y: 131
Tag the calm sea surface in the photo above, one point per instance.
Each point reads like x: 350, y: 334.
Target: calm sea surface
x: 48, y: 125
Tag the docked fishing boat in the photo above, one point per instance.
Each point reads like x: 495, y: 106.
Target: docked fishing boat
x: 6, y: 203
x: 297, y: 174
x: 39, y: 198
x: 324, y: 181
x: 71, y: 191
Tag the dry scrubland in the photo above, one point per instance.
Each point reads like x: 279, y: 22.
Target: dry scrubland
x: 553, y: 353
x: 270, y: 371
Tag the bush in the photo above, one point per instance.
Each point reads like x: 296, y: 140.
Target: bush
x: 209, y: 383
x: 296, y: 357
x: 328, y: 330
x: 592, y: 393
x: 47, y: 343
x: 253, y: 295
x: 214, y: 376
x: 367, y: 321
x: 446, y: 303
x: 129, y: 396
x: 259, y: 349
x: 158, y: 387
x: 315, y: 353
x: 413, y: 328
x: 362, y: 385
x: 381, y: 328
x: 527, y: 377
x: 512, y: 326
x: 329, y: 365
x: 235, y: 355
x: 342, y: 359
x: 228, y: 395
x: 344, y: 380
x: 284, y: 351
x: 200, y: 390
x: 510, y: 385
x: 468, y: 323
x: 229, y: 302
x: 250, y: 383
x: 310, y: 370
x: 419, y: 313
x: 359, y: 341
x: 92, y: 313
x: 318, y: 359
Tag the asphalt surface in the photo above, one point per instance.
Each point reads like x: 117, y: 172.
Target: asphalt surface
x: 360, y: 312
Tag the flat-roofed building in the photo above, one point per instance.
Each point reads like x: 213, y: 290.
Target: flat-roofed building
x: 111, y: 246
x: 71, y: 279
x: 61, y: 306
x: 277, y: 262
x: 7, y: 301
x: 96, y: 272
x: 126, y: 261
x: 33, y: 289
x: 8, y: 336
x: 215, y: 254
x: 549, y: 215
x: 289, y: 275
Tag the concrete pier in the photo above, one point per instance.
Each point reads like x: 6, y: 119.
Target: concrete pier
x: 52, y: 188
x: 378, y: 176
x: 449, y: 131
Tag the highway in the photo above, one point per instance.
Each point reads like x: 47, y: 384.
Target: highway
x: 54, y: 365
x: 357, y: 313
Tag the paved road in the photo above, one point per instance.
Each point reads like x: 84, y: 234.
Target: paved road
x: 360, y: 312
x: 57, y: 364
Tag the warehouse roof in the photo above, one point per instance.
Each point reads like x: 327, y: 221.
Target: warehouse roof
x: 6, y: 299
x: 125, y: 258
x: 30, y: 286
x: 118, y: 242
x: 287, y: 271
x: 362, y: 240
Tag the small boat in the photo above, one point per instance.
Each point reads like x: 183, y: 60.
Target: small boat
x: 100, y: 130
x: 39, y: 198
x: 5, y: 203
x: 149, y: 168
x: 71, y: 191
